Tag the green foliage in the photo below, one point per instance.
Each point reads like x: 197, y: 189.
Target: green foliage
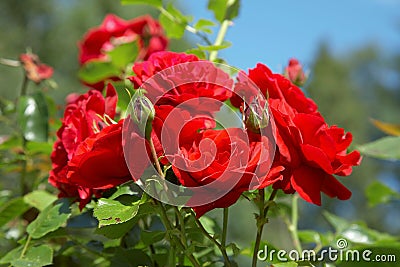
x: 50, y: 219
x: 110, y: 211
x: 34, y: 257
x: 156, y: 3
x: 204, y: 25
x: 224, y: 9
x: 12, y: 209
x: 124, y: 54
x: 384, y: 148
x: 173, y: 21
x: 95, y: 71
x: 33, y: 117
x: 39, y: 199
x: 378, y: 193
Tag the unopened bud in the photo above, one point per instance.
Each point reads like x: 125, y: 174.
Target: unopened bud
x: 256, y: 115
x: 294, y: 72
x: 143, y: 113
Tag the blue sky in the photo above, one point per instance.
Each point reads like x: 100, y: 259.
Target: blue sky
x: 271, y: 32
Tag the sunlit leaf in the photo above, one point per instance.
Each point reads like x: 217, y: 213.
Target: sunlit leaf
x: 156, y: 3
x: 39, y: 199
x: 95, y: 71
x: 204, y: 25
x: 35, y: 257
x: 50, y: 219
x: 384, y: 148
x: 224, y: 9
x: 124, y: 54
x: 224, y: 45
x: 389, y: 128
x: 378, y: 193
x: 174, y: 22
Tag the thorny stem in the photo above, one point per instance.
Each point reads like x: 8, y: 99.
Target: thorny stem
x: 212, y: 239
x: 164, y: 217
x: 261, y: 221
x: 24, y: 141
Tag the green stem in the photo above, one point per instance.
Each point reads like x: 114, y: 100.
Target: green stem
x: 212, y: 239
x: 25, y: 247
x: 293, y: 226
x: 224, y: 227
x: 164, y: 217
x: 261, y: 220
x: 24, y: 166
x: 220, y: 38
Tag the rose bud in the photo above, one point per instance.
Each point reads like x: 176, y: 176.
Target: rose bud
x: 143, y: 113
x: 256, y: 116
x: 294, y: 72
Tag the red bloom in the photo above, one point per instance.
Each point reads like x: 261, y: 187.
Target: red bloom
x: 308, y: 150
x: 224, y: 161
x: 99, y: 161
x: 181, y: 79
x: 83, y: 117
x: 115, y: 31
x: 35, y: 70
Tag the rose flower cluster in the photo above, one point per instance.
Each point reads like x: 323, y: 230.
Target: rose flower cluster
x: 186, y: 93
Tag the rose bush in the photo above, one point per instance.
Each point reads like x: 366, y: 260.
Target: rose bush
x: 115, y: 31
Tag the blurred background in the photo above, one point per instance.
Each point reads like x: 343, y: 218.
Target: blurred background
x: 350, y: 49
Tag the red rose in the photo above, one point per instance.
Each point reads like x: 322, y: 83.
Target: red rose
x: 180, y: 79
x: 35, y: 70
x: 227, y: 159
x: 99, y: 161
x: 308, y: 150
x: 83, y: 117
x: 115, y: 31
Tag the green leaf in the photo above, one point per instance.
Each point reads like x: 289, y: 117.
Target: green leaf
x: 197, y: 52
x: 96, y: 71
x: 384, y: 148
x: 224, y: 9
x: 204, y: 25
x: 39, y: 147
x: 149, y: 238
x: 224, y: 45
x: 39, y: 199
x: 12, y: 209
x: 156, y: 3
x: 32, y: 116
x: 50, y: 219
x: 309, y: 236
x: 34, y: 257
x: 124, y: 54
x: 338, y: 223
x: 286, y: 264
x: 378, y: 193
x: 110, y: 211
x: 174, y: 22
x: 130, y: 258
x: 115, y: 231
